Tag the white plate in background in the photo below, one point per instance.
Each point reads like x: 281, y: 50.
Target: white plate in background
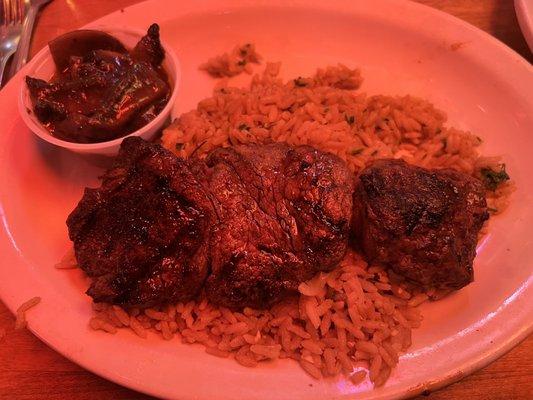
x: 401, y: 47
x: 524, y: 14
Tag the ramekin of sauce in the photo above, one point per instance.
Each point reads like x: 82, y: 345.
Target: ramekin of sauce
x: 89, y: 89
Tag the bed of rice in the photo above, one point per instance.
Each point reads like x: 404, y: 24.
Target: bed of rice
x: 357, y: 319
x: 353, y: 320
x: 328, y: 112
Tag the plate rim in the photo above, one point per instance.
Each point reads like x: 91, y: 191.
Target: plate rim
x: 524, y: 15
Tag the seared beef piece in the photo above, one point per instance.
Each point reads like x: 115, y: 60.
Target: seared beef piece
x: 283, y: 214
x: 421, y: 223
x: 262, y: 218
x: 141, y: 236
x: 149, y: 48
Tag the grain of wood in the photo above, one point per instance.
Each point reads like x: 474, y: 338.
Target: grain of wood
x: 31, y: 370
x: 496, y: 17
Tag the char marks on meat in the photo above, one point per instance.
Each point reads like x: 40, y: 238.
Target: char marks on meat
x: 252, y: 222
x: 283, y: 215
x: 422, y: 223
x: 141, y: 235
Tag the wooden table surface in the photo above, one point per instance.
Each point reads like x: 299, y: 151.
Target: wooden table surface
x: 31, y: 370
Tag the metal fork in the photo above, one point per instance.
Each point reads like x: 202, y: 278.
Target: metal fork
x: 21, y: 55
x: 10, y: 30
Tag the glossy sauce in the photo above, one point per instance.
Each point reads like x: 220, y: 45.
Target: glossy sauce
x: 104, y: 93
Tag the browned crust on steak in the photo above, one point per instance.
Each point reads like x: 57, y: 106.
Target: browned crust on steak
x: 421, y: 223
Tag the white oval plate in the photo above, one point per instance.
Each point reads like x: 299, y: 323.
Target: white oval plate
x: 401, y: 48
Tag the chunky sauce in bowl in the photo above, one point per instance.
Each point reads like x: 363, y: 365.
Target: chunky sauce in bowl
x: 101, y: 91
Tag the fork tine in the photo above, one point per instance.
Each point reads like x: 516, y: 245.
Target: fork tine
x: 12, y: 11
x: 15, y: 18
x: 7, y: 12
x: 20, y: 10
x: 15, y: 11
x: 14, y: 15
x: 13, y: 5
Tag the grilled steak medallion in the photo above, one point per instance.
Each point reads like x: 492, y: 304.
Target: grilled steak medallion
x: 258, y: 219
x: 251, y: 222
x: 422, y: 223
x: 283, y: 215
x: 142, y: 235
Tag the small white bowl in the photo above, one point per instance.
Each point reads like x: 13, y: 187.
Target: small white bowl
x: 42, y: 66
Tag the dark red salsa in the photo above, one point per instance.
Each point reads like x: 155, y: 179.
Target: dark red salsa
x: 101, y: 91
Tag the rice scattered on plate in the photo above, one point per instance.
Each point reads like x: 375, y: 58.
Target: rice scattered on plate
x: 357, y: 319
x: 20, y: 322
x: 354, y: 319
x: 232, y: 63
x: 328, y: 112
